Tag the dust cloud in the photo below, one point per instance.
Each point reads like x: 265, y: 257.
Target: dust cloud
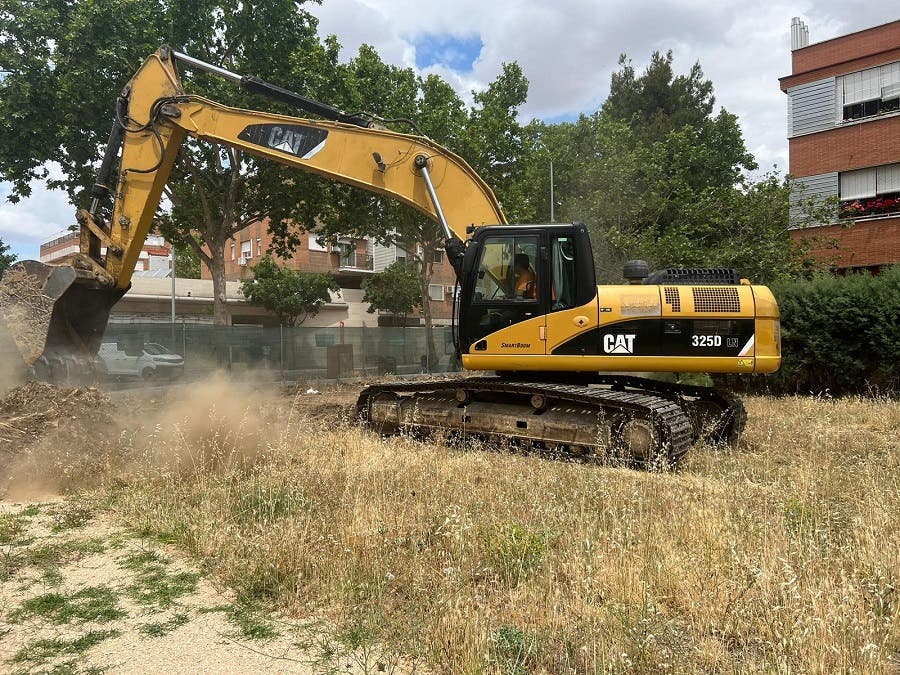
x: 56, y: 440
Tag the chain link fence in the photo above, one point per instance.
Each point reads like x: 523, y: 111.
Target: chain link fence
x: 193, y: 350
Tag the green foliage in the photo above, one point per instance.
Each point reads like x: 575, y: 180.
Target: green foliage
x: 6, y: 258
x: 839, y: 334
x: 515, y: 551
x: 40, y: 651
x: 396, y: 290
x: 250, y: 620
x: 291, y: 295
x: 66, y: 62
x: 161, y: 628
x: 187, y: 262
x: 95, y: 604
x: 658, y: 175
x: 514, y: 651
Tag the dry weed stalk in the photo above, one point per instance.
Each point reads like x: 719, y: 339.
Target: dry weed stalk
x: 781, y: 556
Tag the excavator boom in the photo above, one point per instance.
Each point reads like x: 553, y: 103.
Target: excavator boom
x: 58, y: 312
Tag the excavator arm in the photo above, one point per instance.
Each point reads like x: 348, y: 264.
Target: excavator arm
x: 153, y: 118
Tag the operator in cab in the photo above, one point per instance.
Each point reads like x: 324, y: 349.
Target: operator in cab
x: 526, y: 286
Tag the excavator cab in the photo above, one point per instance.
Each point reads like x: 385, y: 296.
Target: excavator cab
x: 559, y: 272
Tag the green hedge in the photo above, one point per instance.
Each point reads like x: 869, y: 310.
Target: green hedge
x: 839, y: 334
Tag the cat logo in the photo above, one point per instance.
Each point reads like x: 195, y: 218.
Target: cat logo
x: 293, y: 139
x: 618, y: 344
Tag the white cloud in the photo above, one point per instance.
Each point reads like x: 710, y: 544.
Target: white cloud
x: 24, y: 225
x: 567, y: 49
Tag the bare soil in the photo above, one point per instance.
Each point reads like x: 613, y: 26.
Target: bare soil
x: 80, y: 594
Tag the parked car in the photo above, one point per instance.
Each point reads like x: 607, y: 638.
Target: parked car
x: 154, y: 361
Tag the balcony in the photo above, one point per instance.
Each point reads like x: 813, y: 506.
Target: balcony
x: 867, y: 208
x: 352, y: 262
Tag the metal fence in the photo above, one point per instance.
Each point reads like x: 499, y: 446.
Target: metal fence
x: 291, y: 353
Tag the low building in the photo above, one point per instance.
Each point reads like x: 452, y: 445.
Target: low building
x: 349, y: 260
x: 150, y: 300
x: 154, y: 255
x: 844, y: 143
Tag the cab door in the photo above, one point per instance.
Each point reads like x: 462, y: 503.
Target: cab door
x: 509, y: 295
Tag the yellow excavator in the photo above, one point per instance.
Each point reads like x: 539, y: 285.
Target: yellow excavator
x: 529, y: 308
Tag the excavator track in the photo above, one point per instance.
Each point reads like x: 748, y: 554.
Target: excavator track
x: 716, y: 416
x: 640, y: 429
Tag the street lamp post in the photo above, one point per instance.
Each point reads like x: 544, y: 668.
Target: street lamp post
x: 173, y: 283
x: 551, y: 188
x: 550, y: 157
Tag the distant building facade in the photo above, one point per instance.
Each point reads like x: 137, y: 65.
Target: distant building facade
x: 844, y: 142
x: 350, y: 261
x: 154, y: 255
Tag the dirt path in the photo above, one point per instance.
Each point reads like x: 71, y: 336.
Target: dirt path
x: 80, y: 595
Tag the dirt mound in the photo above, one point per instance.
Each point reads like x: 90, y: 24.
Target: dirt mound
x: 26, y: 311
x: 34, y: 411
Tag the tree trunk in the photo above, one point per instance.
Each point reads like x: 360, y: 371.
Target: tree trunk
x: 217, y: 270
x: 427, y: 268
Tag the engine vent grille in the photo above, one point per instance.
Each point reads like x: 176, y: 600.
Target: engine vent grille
x: 673, y: 298
x: 716, y: 300
x: 695, y: 275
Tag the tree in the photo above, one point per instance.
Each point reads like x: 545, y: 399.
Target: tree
x: 658, y: 174
x: 396, y: 289
x: 291, y: 295
x: 187, y: 262
x: 6, y: 258
x: 66, y: 62
x: 488, y: 136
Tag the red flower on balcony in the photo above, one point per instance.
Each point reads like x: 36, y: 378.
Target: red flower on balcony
x: 858, y: 209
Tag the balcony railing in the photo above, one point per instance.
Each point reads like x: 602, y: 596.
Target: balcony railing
x: 875, y: 206
x: 354, y: 261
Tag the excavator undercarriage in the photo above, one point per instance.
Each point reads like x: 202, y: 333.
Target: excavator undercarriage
x: 637, y: 421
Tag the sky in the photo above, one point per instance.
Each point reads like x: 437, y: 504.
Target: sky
x: 567, y: 50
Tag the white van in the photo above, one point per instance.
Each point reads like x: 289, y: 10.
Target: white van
x: 153, y: 361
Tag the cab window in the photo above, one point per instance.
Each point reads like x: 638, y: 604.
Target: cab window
x: 562, y: 266
x: 507, y: 270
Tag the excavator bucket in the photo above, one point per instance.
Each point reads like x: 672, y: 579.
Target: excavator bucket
x: 55, y: 316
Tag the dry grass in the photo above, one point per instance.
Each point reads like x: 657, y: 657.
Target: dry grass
x: 783, y: 556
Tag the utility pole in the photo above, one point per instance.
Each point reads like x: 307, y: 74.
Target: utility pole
x: 172, y: 258
x: 551, y: 188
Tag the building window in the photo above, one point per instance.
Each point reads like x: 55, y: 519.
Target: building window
x: 436, y: 292
x: 867, y: 93
x: 246, y: 250
x: 315, y: 244
x: 232, y: 250
x: 438, y: 257
x: 259, y: 250
x: 870, y: 192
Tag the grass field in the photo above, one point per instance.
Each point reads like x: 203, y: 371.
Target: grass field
x: 782, y: 555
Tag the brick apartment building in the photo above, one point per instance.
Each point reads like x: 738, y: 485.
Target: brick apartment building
x: 844, y: 142
x: 153, y: 256
x: 350, y: 261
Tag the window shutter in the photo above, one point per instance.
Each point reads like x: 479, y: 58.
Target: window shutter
x: 890, y: 80
x: 888, y: 179
x: 862, y: 86
x: 858, y: 184
x: 891, y: 91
